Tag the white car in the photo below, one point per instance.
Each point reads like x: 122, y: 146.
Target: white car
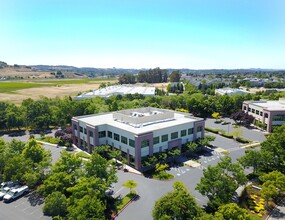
x: 6, y: 184
x: 13, y: 194
x: 5, y: 187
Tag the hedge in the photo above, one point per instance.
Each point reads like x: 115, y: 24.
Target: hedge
x: 242, y: 140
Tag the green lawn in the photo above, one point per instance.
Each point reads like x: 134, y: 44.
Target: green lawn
x: 121, y: 203
x: 75, y: 81
x: 9, y: 87
x: 83, y: 154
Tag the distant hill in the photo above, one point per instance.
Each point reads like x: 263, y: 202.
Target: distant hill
x: 73, y: 71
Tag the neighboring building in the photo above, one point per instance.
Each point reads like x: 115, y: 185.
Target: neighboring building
x: 118, y: 90
x: 137, y: 132
x: 256, y: 82
x: 270, y: 113
x: 230, y: 91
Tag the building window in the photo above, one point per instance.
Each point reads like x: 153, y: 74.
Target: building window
x: 266, y: 115
x: 261, y: 113
x: 278, y: 118
x: 253, y: 110
x: 91, y: 133
x: 257, y: 112
x: 75, y: 127
x: 116, y: 137
x: 145, y: 143
x: 155, y: 140
x: 110, y: 134
x: 164, y: 138
x: 81, y: 129
x: 131, y: 143
x: 124, y: 140
x: 190, y: 131
x: 174, y: 135
x: 199, y: 129
x: 183, y: 133
x: 85, y: 131
x: 244, y: 108
x: 102, y: 134
x: 249, y: 109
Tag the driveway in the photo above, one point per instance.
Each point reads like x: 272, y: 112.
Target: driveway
x: 151, y: 190
x: 248, y: 133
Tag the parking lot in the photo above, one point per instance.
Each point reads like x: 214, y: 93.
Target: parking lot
x: 150, y: 190
x: 28, y: 207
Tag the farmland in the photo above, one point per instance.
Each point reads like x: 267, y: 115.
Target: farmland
x: 17, y: 91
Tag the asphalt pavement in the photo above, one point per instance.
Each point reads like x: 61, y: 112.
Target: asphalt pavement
x: 151, y: 190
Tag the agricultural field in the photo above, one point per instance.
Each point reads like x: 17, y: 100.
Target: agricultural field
x: 17, y: 91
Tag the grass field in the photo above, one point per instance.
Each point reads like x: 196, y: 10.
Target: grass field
x: 11, y: 87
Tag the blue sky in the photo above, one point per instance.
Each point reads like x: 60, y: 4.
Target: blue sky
x: 197, y: 34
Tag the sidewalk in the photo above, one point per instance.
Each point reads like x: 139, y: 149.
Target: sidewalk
x: 278, y: 212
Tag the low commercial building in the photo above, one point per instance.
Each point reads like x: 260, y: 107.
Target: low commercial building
x: 230, y: 91
x: 118, y: 90
x: 271, y: 113
x: 137, y: 133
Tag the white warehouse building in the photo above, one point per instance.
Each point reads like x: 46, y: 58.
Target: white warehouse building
x: 137, y: 132
x: 118, y: 90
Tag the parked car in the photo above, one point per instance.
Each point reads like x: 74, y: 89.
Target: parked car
x: 6, y: 184
x: 13, y: 194
x: 5, y: 190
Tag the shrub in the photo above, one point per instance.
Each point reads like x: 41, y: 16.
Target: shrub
x: 228, y: 136
x: 242, y: 140
x: 216, y: 131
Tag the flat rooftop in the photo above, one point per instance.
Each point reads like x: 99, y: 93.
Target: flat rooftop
x: 151, y: 121
x: 270, y: 104
x: 118, y: 90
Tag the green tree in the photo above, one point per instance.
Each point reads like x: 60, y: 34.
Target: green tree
x: 178, y: 204
x: 64, y: 174
x: 130, y: 184
x: 175, y: 76
x: 99, y: 167
x: 237, y: 132
x: 273, y: 147
x: 252, y: 158
x: 273, y: 185
x: 232, y: 211
x: 55, y: 204
x: 220, y: 182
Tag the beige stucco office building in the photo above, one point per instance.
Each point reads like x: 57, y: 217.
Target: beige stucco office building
x: 268, y: 112
x: 137, y: 132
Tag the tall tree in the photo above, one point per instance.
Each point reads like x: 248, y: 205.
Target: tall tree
x: 178, y: 204
x: 220, y: 182
x: 232, y: 211
x: 175, y: 76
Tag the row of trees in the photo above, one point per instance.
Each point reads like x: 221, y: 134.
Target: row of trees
x: 59, y: 111
x: 156, y: 75
x: 180, y: 204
